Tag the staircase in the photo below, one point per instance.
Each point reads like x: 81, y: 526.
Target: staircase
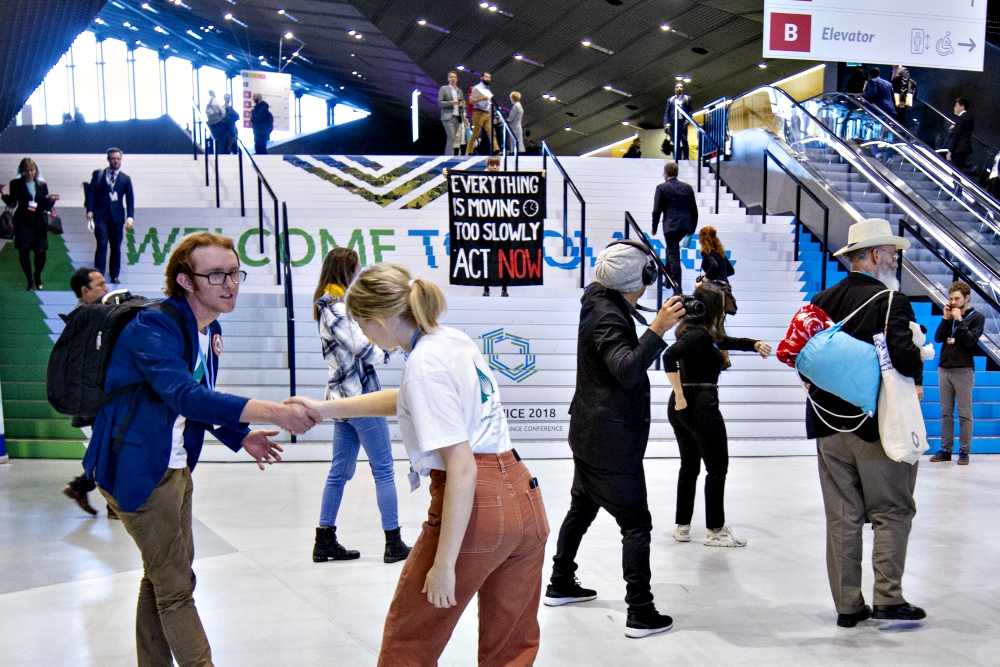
x: 395, y: 209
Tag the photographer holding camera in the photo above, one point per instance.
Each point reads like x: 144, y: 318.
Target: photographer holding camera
x: 609, y: 429
x: 692, y: 365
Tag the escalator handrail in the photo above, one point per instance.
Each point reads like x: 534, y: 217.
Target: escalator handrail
x: 888, y: 189
x: 894, y: 126
x: 986, y: 220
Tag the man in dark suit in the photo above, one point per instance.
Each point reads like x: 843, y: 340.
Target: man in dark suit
x: 900, y: 90
x: 675, y: 202
x: 960, y: 136
x: 681, y: 141
x: 108, y: 216
x: 878, y: 91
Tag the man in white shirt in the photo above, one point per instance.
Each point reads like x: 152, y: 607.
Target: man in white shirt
x: 481, y: 99
x: 452, y: 104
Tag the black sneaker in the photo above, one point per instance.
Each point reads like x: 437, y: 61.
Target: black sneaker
x: 486, y: 291
x: 963, y: 459
x: 941, y: 456
x: 850, y: 620
x: 558, y: 595
x: 898, y: 612
x: 647, y: 623
x: 503, y: 292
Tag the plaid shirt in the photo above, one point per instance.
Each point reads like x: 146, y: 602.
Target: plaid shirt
x: 347, y: 351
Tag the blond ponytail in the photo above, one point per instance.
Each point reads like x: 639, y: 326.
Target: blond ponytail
x: 386, y: 290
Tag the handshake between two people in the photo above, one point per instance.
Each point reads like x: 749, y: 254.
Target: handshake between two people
x: 298, y: 414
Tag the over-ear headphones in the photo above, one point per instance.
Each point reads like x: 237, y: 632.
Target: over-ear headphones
x: 649, y: 271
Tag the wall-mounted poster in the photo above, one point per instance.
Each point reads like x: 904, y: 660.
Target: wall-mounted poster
x: 275, y: 89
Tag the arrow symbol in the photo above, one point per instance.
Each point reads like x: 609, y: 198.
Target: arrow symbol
x: 970, y: 44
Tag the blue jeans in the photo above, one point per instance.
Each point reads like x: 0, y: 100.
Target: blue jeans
x: 349, y: 436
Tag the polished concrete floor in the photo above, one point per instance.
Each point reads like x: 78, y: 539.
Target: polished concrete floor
x: 68, y: 582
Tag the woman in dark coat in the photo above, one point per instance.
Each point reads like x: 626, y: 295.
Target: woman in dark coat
x: 31, y: 229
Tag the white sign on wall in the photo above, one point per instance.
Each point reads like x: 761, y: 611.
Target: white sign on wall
x: 275, y: 89
x: 948, y: 34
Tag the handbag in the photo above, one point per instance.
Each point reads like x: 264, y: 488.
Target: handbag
x: 54, y: 223
x: 900, y: 420
x: 7, y: 224
x: 844, y: 366
x: 727, y: 292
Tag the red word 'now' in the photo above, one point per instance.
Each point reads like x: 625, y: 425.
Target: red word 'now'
x: 518, y: 263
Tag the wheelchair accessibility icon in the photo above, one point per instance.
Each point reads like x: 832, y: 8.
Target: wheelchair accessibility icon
x: 943, y: 45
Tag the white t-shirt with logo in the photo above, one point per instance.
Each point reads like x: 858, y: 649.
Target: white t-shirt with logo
x: 449, y: 395
x: 178, y: 455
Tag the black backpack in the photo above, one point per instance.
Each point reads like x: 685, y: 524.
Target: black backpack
x: 79, y: 361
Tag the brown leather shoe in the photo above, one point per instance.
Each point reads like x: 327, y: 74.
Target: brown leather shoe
x: 80, y: 498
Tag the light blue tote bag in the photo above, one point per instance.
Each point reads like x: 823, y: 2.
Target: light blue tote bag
x: 844, y: 366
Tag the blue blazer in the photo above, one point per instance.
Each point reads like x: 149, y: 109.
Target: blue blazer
x: 675, y: 202
x: 879, y: 92
x: 151, y: 349
x: 98, y: 198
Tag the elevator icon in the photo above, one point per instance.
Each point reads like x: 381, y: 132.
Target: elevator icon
x: 920, y: 41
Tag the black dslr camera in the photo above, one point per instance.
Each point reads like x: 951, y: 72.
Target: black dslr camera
x: 693, y: 308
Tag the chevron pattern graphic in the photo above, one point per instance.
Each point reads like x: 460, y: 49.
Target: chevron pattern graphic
x: 373, y: 182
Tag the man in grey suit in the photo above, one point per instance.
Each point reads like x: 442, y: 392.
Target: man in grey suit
x: 452, y: 104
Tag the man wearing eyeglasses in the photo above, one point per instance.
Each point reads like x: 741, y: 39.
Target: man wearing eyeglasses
x: 146, y: 442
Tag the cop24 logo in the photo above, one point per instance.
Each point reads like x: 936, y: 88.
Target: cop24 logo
x: 517, y: 372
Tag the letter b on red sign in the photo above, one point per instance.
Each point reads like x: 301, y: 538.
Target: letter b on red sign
x: 791, y: 32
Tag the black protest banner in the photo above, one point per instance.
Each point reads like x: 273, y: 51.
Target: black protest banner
x: 497, y: 223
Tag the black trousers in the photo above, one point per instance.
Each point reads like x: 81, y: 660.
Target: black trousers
x: 622, y: 493
x: 673, y: 241
x: 958, y: 160
x: 701, y: 436
x: 260, y: 144
x: 34, y: 277
x: 108, y: 233
x: 681, y: 146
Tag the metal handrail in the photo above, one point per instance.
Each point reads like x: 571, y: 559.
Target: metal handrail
x: 261, y: 184
x: 701, y: 153
x: 799, y: 187
x: 568, y: 183
x: 893, y: 125
x: 289, y: 301
x: 662, y: 271
x: 506, y: 131
x: 926, y: 170
x: 956, y: 270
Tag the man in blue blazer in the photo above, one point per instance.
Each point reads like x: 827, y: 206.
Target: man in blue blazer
x: 108, y: 215
x: 146, y: 443
x: 674, y: 201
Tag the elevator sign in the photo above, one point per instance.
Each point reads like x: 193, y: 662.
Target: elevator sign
x: 919, y: 33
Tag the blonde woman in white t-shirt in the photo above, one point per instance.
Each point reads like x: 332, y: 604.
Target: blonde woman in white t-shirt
x: 486, y: 527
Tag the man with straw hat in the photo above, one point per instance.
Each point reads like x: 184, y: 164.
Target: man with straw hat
x: 859, y: 482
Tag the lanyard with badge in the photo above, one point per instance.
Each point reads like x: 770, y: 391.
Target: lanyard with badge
x: 111, y: 177
x: 413, y: 476
x: 206, y: 373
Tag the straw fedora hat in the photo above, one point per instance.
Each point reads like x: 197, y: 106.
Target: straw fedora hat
x: 870, y: 233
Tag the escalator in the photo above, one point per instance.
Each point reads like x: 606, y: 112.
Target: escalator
x: 864, y: 164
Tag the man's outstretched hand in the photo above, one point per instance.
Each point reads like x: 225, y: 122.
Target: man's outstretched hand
x: 259, y: 445
x: 296, y: 418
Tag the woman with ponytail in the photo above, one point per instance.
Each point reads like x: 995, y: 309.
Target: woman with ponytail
x: 350, y: 356
x: 486, y: 527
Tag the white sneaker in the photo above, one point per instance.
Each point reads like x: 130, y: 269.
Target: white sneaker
x: 682, y: 533
x: 723, y: 538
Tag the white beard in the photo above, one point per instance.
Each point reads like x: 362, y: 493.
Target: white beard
x: 889, y: 280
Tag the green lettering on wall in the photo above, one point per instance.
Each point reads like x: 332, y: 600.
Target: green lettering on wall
x: 357, y: 244
x: 152, y: 238
x: 326, y: 242
x: 241, y: 248
x: 377, y: 247
x: 310, y: 247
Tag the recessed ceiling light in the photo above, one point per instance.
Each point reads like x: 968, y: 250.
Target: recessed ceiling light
x: 281, y: 11
x: 355, y: 72
x: 341, y: 87
x: 568, y: 128
x: 518, y: 56
x: 421, y: 21
x: 585, y: 42
x: 289, y: 35
x: 762, y: 65
x: 460, y: 68
x: 590, y: 45
x: 665, y: 27
x: 357, y: 35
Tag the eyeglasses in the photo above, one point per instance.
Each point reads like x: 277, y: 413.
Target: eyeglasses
x: 219, y: 277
